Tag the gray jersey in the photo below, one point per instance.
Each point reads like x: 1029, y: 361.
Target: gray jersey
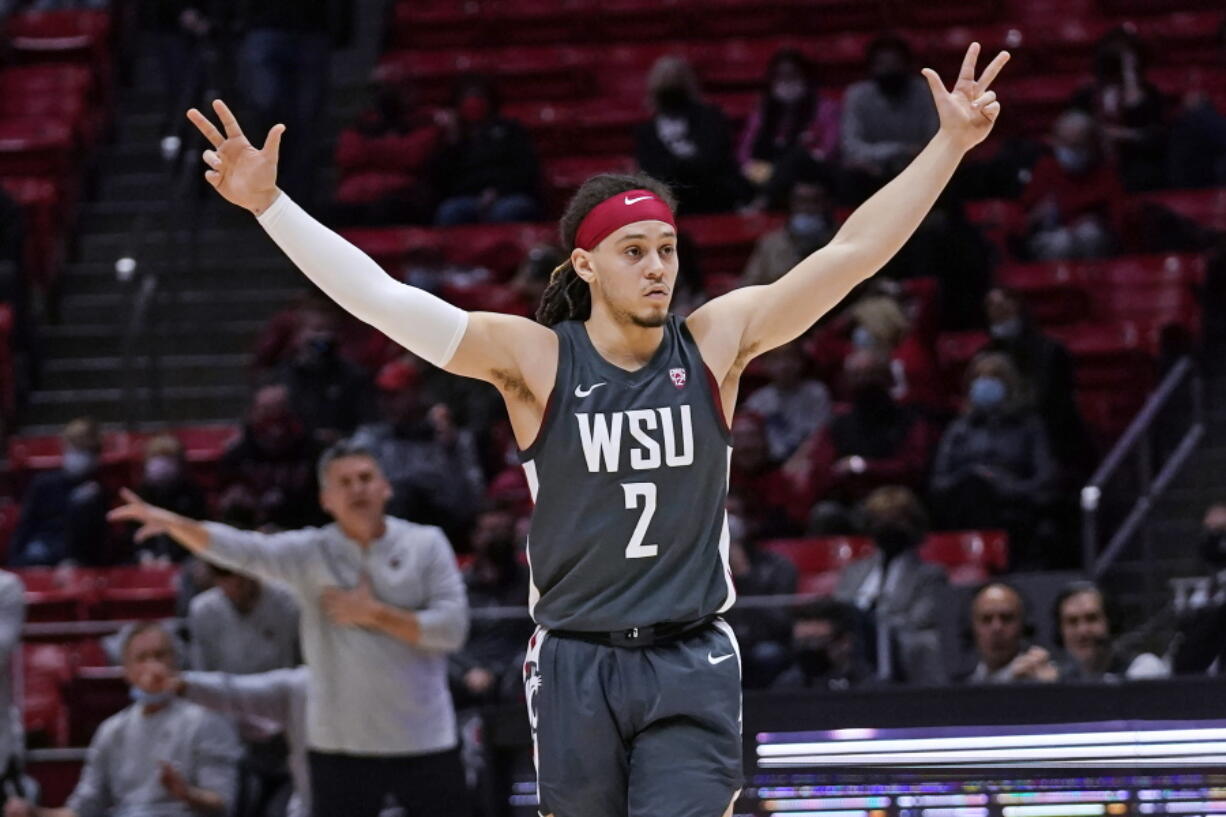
x: 629, y: 474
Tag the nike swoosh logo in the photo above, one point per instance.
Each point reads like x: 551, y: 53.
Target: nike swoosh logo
x: 715, y: 660
x: 629, y: 200
x: 582, y: 392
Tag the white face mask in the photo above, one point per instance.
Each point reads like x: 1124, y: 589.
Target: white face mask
x: 788, y: 91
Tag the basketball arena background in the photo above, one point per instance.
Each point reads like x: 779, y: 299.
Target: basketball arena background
x: 152, y: 336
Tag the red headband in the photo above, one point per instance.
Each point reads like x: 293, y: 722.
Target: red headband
x: 618, y: 211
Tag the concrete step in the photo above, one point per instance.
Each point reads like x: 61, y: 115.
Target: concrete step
x: 183, y: 338
x: 250, y: 243
x: 202, y: 305
x: 185, y: 404
x: 176, y: 370
x: 215, y: 273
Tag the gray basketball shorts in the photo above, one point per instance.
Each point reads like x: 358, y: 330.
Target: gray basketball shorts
x: 636, y: 731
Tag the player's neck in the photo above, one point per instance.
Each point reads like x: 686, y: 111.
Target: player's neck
x: 623, y: 343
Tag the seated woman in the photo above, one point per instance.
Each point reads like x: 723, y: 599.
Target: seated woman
x: 795, y: 124
x: 994, y: 468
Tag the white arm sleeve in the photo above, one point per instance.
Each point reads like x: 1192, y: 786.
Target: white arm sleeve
x: 427, y: 326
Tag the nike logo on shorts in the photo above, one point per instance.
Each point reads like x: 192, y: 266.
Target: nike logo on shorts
x: 582, y: 392
x: 636, y: 200
x: 716, y: 660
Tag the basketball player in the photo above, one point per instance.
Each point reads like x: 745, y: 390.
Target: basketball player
x: 620, y: 411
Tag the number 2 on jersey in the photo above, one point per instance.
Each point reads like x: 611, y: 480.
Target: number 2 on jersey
x: 646, y: 491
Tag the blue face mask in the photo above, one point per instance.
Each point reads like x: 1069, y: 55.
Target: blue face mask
x: 144, y: 698
x: 987, y: 392
x: 77, y: 463
x: 1073, y: 160
x: 861, y: 338
x: 1006, y: 329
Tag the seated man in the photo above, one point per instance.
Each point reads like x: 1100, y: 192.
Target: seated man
x: 1085, y: 634
x: 824, y: 650
x: 897, y: 591
x: 998, y: 624
x: 243, y: 625
x: 160, y: 756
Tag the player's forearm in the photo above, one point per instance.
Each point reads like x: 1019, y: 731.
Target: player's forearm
x: 187, y: 532
x: 204, y: 801
x: 878, y: 228
x: 426, y: 325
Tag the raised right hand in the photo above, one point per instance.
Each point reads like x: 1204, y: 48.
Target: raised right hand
x: 241, y: 173
x: 153, y: 520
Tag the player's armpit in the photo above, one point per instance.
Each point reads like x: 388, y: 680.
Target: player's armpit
x: 515, y: 354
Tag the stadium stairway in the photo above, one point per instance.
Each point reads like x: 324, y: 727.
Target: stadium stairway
x: 207, y: 317
x: 1174, y: 524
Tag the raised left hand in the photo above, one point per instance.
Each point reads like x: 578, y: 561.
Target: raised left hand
x: 357, y: 607
x: 969, y: 111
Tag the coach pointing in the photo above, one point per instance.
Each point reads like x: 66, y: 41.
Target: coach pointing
x: 382, y: 605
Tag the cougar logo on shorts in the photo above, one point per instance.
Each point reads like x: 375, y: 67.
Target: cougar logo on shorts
x: 532, y: 685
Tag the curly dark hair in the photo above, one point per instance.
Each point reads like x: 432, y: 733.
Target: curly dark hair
x: 567, y: 296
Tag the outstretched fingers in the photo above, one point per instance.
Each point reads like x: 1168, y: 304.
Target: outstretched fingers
x: 227, y: 119
x: 967, y: 74
x: 206, y: 127
x: 989, y: 73
x: 273, y: 143
x: 934, y: 82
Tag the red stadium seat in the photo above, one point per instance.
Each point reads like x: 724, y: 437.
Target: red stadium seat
x: 138, y: 592
x: 1205, y: 207
x: 35, y: 148
x: 204, y: 444
x: 45, y: 668
x: 988, y: 550
x: 726, y: 241
x: 42, y: 205
x: 819, y: 554
x: 93, y: 695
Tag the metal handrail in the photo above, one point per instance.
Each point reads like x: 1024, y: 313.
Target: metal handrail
x: 1137, y: 438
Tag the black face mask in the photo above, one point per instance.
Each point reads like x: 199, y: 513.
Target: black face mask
x: 872, y: 399
x: 893, y: 539
x: 672, y: 100
x: 814, y: 660
x: 1213, y: 547
x: 891, y: 84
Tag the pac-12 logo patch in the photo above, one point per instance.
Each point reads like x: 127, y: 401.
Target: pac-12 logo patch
x: 678, y: 376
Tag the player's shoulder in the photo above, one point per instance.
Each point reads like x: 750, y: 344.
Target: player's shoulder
x: 207, y: 602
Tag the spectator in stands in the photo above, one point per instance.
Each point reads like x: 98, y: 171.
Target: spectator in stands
x: 879, y: 323
x: 63, y: 514
x: 763, y: 632
x: 1074, y: 200
x: 994, y: 467
x: 887, y: 118
x: 1200, y: 646
x: 792, y: 405
x: 278, y: 339
x: 12, y: 618
x: 168, y: 482
x: 284, y: 61
x: 1084, y: 631
x: 687, y: 143
x: 825, y: 653
x: 897, y: 592
x: 1198, y: 135
x: 270, y: 468
x: 383, y: 159
x: 382, y: 605
x: 795, y: 125
x: 871, y: 443
x: 486, y: 169
x: 532, y: 275
x: 431, y: 463
x: 1048, y: 370
x: 810, y: 226
x: 161, y: 755
x: 243, y: 625
x: 999, y: 630
x: 329, y: 394
x: 277, y: 698
x: 1129, y: 110
x: 490, y: 661
x: 773, y: 504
